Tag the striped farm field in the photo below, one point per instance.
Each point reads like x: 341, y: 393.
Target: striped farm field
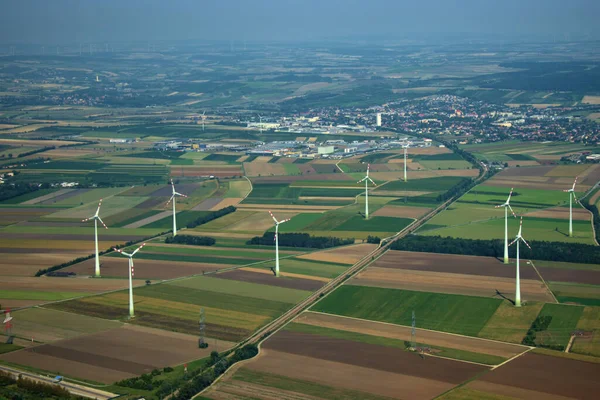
x: 465, y: 315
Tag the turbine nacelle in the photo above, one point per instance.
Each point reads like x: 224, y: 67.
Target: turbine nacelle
x: 175, y: 193
x: 367, y: 176
x: 519, y: 236
x: 507, y: 203
x: 96, y: 216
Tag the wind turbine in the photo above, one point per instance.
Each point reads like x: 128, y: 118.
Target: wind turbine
x: 519, y: 238
x: 131, y: 273
x: 96, y: 218
x: 405, y: 150
x: 506, y: 206
x: 366, y: 179
x: 203, y: 118
x: 277, y: 223
x: 173, y: 200
x: 571, y: 197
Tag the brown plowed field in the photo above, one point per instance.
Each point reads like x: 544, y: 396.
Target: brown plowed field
x: 47, y: 196
x: 270, y: 279
x: 442, y: 282
x: 230, y: 201
x: 305, y: 177
x: 114, y: 354
x: 66, y: 236
x: 331, y: 373
x: 580, y: 214
x: 262, y: 168
x: 381, y: 358
x: 144, y: 269
x: 345, y: 255
x: 430, y: 338
x: 28, y: 264
x: 451, y: 263
x: 401, y: 211
x: 148, y: 220
x: 570, y: 275
x: 547, y: 374
x: 513, y: 392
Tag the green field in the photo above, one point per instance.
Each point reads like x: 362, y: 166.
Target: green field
x: 283, y: 193
x: 312, y: 268
x: 465, y: 315
x: 552, y: 230
x: 426, y: 184
x: 29, y: 196
x: 510, y: 323
x: 239, y: 288
x: 199, y: 258
x: 576, y: 293
x: 374, y: 224
x: 564, y: 322
x: 110, y: 206
x: 93, y: 196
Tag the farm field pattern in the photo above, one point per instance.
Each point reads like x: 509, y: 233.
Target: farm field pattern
x: 464, y: 317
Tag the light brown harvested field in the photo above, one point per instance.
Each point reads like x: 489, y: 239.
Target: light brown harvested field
x: 570, y: 171
x: 512, y: 392
x: 288, y: 274
x: 41, y: 143
x: 13, y: 304
x: 579, y: 214
x: 263, y: 169
x: 144, y: 269
x: 414, y: 166
x: 270, y: 279
x: 387, y: 176
x: 458, y: 172
x: 401, y: 211
x: 441, y: 282
x: 220, y: 171
x: 115, y: 354
x: 230, y: 201
x: 47, y: 196
x: 595, y: 197
x: 28, y: 264
x: 66, y: 236
x: 522, y: 172
x: 55, y: 246
x: 452, y: 263
x: 68, y: 153
x: 430, y: 338
x: 591, y: 176
x: 344, y: 375
x: 53, y: 284
x: 258, y: 222
x: 547, y: 374
x: 344, y: 255
x: 207, y: 204
x: 429, y: 150
x: 591, y: 99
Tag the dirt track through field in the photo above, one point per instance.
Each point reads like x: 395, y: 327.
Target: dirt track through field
x: 430, y: 338
x: 443, y: 282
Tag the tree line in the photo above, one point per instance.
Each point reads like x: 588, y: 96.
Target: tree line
x: 541, y: 250
x: 191, y: 240
x: 300, y: 240
x: 210, y: 216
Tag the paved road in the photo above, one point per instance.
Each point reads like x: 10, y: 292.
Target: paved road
x: 78, y: 390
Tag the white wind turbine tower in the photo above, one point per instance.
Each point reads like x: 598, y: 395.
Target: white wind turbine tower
x: 203, y: 119
x: 518, y: 238
x: 506, y: 206
x: 405, y: 151
x: 366, y: 179
x: 96, y: 218
x: 131, y: 273
x: 571, y: 197
x: 277, y: 223
x: 172, y: 199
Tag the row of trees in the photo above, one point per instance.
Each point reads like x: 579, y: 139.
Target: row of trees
x: 210, y: 216
x: 541, y: 250
x: 191, y: 240
x: 26, y: 389
x: 80, y: 259
x: 300, y: 240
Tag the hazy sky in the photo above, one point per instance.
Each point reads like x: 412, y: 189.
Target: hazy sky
x: 68, y: 21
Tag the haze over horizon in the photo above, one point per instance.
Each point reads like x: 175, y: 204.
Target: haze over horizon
x: 72, y: 21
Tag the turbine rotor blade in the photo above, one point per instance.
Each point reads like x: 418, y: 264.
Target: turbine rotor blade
x: 526, y: 244
x: 513, y: 242
x: 98, y: 210
x: 180, y: 194
x: 87, y: 219
x: 100, y: 219
x: 511, y: 210
x: 285, y: 220
x: 509, y: 195
x: 138, y: 249
x: 574, y: 183
x: 373, y: 182
x: 363, y: 179
x: 170, y: 200
x: 274, y: 219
